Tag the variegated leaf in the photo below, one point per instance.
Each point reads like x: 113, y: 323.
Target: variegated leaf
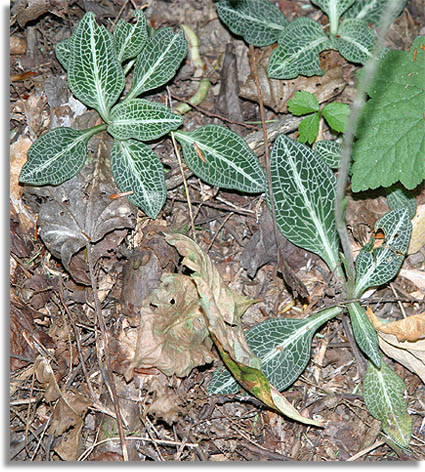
x: 158, y: 61
x: 136, y: 168
x: 376, y: 266
x: 298, y: 50
x: 95, y: 75
x: 304, y: 196
x: 142, y: 119
x: 222, y: 158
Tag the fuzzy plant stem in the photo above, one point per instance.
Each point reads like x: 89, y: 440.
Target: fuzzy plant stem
x: 368, y: 73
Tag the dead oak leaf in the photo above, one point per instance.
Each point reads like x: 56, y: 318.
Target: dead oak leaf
x: 410, y: 329
x: 403, y: 341
x: 172, y: 334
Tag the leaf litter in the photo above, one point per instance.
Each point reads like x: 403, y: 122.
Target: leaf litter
x: 176, y: 409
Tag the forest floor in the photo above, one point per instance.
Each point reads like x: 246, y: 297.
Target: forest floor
x: 67, y: 378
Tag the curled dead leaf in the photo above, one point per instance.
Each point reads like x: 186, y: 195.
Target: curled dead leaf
x: 411, y: 328
x: 67, y: 422
x: 172, y: 335
x: 403, y: 340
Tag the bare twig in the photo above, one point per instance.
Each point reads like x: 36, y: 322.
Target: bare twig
x: 106, y: 369
x: 77, y: 339
x: 186, y: 187
x: 287, y: 273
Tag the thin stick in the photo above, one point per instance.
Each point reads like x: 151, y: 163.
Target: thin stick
x: 369, y: 72
x: 281, y: 263
x: 186, y: 187
x: 77, y: 339
x: 106, y: 372
x: 86, y: 453
x: 365, y: 451
x: 218, y: 230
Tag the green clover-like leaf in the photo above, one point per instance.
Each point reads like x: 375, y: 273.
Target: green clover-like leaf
x: 142, y: 119
x: 95, y: 75
x: 158, y: 61
x: 336, y: 114
x: 135, y: 167
x: 259, y: 22
x: 56, y: 156
x: 308, y: 128
x: 298, y: 50
x: 303, y: 103
x: 222, y: 158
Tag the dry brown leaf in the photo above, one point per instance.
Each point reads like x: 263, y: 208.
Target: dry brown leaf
x: 68, y: 421
x: 417, y: 240
x: 166, y: 405
x: 411, y: 328
x: 409, y: 354
x: 172, y: 335
x: 17, y: 45
x: 18, y: 157
x: 415, y: 276
x: 276, y: 93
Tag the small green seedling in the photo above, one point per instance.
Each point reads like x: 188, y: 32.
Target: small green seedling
x: 306, y: 103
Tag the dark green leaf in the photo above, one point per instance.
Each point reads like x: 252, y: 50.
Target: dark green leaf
x: 283, y: 345
x: 377, y: 266
x: 355, y: 40
x: 383, y: 393
x: 364, y: 332
x: 158, y: 61
x: 222, y: 158
x: 298, y: 50
x: 56, y: 156
x: 334, y: 9
x: 371, y: 11
x: 304, y: 195
x: 399, y: 197
x: 142, y: 119
x: 330, y: 152
x: 136, y: 168
x: 259, y: 22
x: 94, y: 74
x: 129, y: 39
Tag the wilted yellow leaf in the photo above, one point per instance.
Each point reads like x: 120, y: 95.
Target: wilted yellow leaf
x: 417, y: 240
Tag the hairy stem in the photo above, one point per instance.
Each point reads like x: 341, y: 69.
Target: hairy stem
x: 368, y: 73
